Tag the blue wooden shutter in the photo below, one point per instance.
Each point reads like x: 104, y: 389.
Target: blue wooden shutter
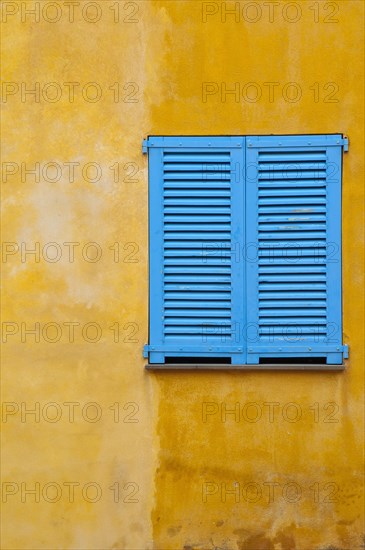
x: 293, y: 216
x: 196, y: 207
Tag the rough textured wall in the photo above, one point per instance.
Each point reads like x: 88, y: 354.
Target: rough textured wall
x: 126, y: 459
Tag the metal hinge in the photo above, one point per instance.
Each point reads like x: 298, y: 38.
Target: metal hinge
x: 146, y: 349
x: 345, y: 144
x: 145, y: 145
x: 345, y: 350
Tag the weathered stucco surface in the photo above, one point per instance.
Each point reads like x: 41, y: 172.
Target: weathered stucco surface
x: 173, y: 457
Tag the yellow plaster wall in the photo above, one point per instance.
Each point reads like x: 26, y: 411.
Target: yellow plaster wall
x: 170, y: 454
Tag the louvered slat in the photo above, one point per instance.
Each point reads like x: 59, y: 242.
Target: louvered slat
x: 181, y: 172
x: 288, y: 317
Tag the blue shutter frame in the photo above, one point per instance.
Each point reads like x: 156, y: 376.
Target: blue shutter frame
x: 245, y: 248
x: 293, y: 217
x: 195, y: 280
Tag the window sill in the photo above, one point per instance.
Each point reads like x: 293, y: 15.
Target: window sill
x: 263, y: 367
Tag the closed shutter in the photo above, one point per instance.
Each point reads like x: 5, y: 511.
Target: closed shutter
x: 293, y: 249
x: 196, y: 212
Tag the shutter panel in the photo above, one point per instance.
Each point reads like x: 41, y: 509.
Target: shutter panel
x: 293, y: 213
x: 196, y: 217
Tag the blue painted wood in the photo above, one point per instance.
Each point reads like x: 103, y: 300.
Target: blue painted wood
x: 238, y: 157
x: 334, y: 247
x: 196, y: 218
x: 293, y: 216
x: 300, y: 141
x: 192, y: 142
x: 245, y: 247
x: 156, y: 272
